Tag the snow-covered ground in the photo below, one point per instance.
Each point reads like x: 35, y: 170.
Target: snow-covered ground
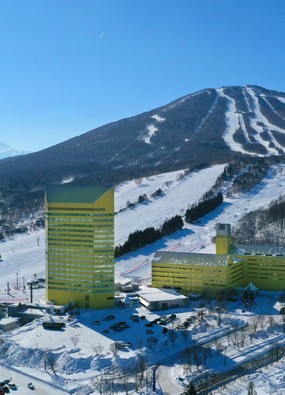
x: 83, y: 350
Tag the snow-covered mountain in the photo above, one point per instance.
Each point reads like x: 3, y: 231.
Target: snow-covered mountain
x: 6, y: 151
x: 212, y: 126
x: 209, y: 126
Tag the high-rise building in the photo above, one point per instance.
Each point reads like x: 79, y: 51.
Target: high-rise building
x: 80, y: 245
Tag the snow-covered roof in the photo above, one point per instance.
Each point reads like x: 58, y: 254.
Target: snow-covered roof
x: 251, y: 287
x: 8, y: 320
x: 190, y: 258
x: 252, y: 249
x: 156, y: 294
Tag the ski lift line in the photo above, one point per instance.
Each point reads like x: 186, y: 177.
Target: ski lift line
x: 132, y: 269
x: 198, y: 246
x: 14, y: 300
x: 146, y: 277
x: 193, y: 247
x: 173, y: 248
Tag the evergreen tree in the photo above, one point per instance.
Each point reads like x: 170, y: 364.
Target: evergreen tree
x: 197, y: 211
x: 141, y: 238
x: 250, y: 389
x: 190, y: 390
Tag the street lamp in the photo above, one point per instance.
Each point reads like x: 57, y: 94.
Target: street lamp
x: 17, y: 287
x: 153, y: 378
x: 225, y: 355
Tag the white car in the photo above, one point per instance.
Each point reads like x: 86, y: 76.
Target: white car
x: 31, y: 386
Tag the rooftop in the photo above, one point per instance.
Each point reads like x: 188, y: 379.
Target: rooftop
x: 156, y: 294
x: 67, y: 193
x: 190, y: 258
x: 252, y: 249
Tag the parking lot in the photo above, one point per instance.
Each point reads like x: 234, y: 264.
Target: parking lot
x: 21, y: 381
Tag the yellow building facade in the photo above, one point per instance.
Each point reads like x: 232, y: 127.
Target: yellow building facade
x: 190, y: 273
x: 233, y: 266
x: 80, y: 245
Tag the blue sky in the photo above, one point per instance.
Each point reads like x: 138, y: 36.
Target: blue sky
x: 68, y: 66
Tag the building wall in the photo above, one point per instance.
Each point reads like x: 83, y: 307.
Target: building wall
x: 223, y: 238
x: 265, y: 272
x: 80, y: 252
x: 189, y: 278
x: 235, y: 274
x: 223, y: 244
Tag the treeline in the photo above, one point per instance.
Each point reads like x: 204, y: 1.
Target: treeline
x: 263, y: 226
x: 141, y: 238
x: 200, y: 209
x: 243, y: 174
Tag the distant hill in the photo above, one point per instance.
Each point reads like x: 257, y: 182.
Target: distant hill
x: 6, y: 151
x: 208, y: 127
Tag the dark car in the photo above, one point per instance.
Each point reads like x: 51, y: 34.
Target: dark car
x: 31, y: 386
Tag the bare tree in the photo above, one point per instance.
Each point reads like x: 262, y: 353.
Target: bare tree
x: 125, y: 380
x: 283, y: 323
x: 140, y: 345
x: 102, y: 384
x: 185, y: 335
x: 271, y: 321
x: 75, y: 340
x: 276, y: 351
x: 196, y: 356
x: 51, y: 362
x: 114, y: 349
x: 172, y: 335
x: 98, y: 349
x: 139, y: 371
x: 255, y: 324
x: 3, y: 349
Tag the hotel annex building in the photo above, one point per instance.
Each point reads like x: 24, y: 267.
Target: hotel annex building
x: 233, y: 266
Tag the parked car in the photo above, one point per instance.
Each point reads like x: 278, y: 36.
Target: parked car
x: 31, y: 386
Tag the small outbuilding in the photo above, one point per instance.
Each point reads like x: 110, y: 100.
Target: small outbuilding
x: 9, y: 323
x: 161, y: 299
x: 250, y: 292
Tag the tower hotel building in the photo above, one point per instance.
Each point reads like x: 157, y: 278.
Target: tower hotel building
x: 80, y: 245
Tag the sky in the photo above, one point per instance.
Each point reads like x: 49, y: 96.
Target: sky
x: 69, y: 66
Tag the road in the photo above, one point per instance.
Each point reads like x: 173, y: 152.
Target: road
x: 166, y: 381
x: 21, y: 380
x: 165, y: 378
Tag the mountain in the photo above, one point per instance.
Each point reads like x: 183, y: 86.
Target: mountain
x: 209, y: 126
x: 6, y: 151
x: 212, y: 126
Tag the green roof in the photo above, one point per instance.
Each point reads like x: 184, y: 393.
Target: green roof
x: 190, y: 258
x: 69, y: 193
